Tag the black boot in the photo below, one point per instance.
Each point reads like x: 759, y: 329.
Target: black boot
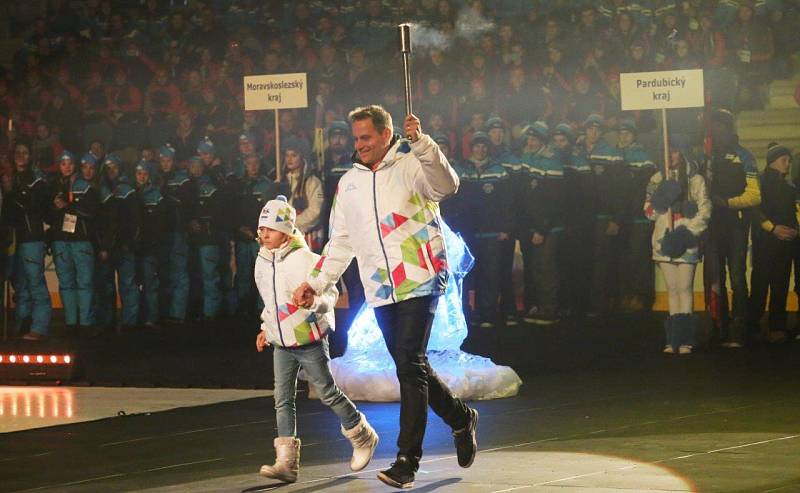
x: 401, y: 474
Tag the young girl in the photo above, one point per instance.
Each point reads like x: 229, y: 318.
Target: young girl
x: 675, y: 247
x: 299, y: 336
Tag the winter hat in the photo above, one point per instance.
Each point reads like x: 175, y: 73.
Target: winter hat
x: 593, y: 120
x: 247, y: 136
x: 537, y: 129
x: 441, y: 139
x: 628, y: 125
x: 680, y: 143
x: 298, y: 145
x: 66, y: 155
x: 723, y: 116
x: 494, y: 122
x: 89, y: 159
x: 113, y: 160
x: 167, y: 151
x: 277, y: 214
x: 566, y: 130
x: 775, y: 151
x: 206, y: 146
x: 338, y: 127
x: 479, y: 138
x: 144, y: 165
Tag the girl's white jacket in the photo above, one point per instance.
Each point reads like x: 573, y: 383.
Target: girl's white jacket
x: 278, y: 273
x: 388, y: 219
x: 697, y: 224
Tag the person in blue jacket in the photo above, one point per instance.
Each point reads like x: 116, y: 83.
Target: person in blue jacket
x: 484, y: 200
x: 254, y: 190
x: 178, y: 191
x: 607, y: 202
x: 205, y: 224
x: 540, y: 222
x: 25, y: 208
x: 74, y: 207
x: 636, y: 274
x: 117, y: 237
x: 152, y: 211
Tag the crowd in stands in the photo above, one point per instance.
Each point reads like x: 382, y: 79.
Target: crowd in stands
x: 127, y: 152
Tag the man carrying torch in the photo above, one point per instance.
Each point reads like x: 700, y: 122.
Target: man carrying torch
x: 386, y: 215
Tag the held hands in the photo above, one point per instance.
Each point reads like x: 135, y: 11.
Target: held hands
x: 784, y: 233
x: 261, y: 341
x: 303, y: 296
x: 412, y: 128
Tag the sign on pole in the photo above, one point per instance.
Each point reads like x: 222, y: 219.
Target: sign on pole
x: 668, y: 89
x: 276, y: 92
x: 661, y: 90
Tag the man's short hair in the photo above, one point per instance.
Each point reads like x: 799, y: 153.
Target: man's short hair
x: 381, y: 118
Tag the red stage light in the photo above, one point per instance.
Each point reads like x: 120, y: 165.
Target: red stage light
x: 12, y: 358
x: 53, y: 359
x: 1, y: 358
x: 26, y: 359
x: 67, y: 359
x: 40, y: 359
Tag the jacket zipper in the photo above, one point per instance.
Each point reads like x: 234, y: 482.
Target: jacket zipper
x: 380, y: 237
x: 275, y: 298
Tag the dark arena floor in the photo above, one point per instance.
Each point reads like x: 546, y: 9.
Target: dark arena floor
x: 600, y: 409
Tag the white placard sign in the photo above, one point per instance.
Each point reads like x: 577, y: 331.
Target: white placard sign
x: 661, y: 90
x: 275, y: 92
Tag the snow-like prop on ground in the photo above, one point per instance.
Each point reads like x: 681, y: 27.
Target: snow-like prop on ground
x: 366, y: 372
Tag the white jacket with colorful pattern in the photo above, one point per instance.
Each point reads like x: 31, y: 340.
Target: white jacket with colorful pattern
x: 277, y: 273
x: 388, y: 219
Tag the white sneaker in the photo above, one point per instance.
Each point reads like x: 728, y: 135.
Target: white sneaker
x: 685, y: 349
x: 668, y: 350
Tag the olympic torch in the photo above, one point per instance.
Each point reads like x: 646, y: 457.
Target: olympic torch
x: 404, y: 39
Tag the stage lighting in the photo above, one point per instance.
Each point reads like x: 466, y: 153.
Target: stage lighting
x: 27, y: 367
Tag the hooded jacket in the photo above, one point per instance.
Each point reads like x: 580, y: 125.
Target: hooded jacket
x: 696, y: 194
x: 277, y: 273
x: 388, y: 218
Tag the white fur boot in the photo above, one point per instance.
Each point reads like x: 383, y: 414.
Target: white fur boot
x: 287, y: 460
x: 364, y: 440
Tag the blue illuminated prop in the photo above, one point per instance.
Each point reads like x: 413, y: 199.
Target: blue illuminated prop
x: 367, y: 372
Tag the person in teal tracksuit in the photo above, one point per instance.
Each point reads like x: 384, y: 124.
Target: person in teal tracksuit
x: 484, y: 206
x: 607, y: 202
x: 501, y: 153
x: 205, y: 224
x: 574, y: 260
x: 223, y: 178
x: 152, y: 210
x: 117, y: 239
x: 636, y: 273
x: 540, y: 223
x: 177, y: 190
x: 25, y: 208
x: 74, y: 207
x: 254, y: 191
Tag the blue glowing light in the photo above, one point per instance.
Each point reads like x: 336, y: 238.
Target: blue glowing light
x: 367, y: 372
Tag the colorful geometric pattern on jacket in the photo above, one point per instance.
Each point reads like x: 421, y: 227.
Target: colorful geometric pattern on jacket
x: 303, y: 323
x: 418, y: 261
